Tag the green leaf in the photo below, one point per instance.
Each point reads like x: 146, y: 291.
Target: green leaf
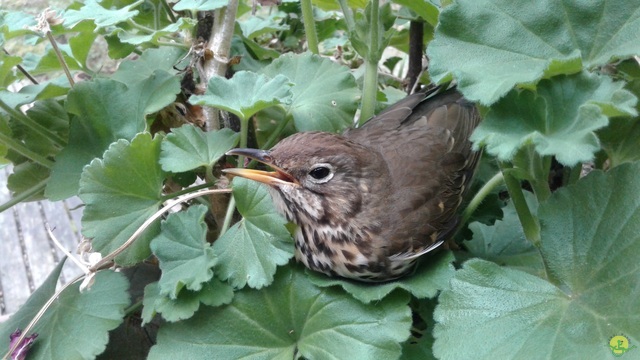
x: 213, y: 293
x: 187, y: 148
x: 249, y: 251
x: 105, y: 111
x: 122, y: 191
x: 101, y: 17
x: 21, y: 318
x: 432, y: 276
x: 504, y: 242
x: 491, y: 46
x: 140, y: 69
x: 256, y: 26
x: 16, y: 23
x: 290, y: 319
x: 26, y: 177
x: 153, y: 38
x: 423, y: 8
x: 199, y: 5
x: 325, y: 95
x: 559, y: 120
x: 590, y: 244
x: 28, y: 94
x: 333, y: 5
x: 245, y: 93
x: 185, y: 256
x: 77, y: 324
x: 620, y: 140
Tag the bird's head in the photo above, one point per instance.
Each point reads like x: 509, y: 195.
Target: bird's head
x: 317, y: 177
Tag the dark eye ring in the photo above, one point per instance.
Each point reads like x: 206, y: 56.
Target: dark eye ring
x: 320, y: 172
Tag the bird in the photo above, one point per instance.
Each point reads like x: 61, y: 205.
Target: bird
x: 368, y: 203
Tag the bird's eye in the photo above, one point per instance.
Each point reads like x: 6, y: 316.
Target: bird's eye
x: 321, y: 173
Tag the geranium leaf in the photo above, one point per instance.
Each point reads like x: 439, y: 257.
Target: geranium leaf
x: 77, y: 324
x: 325, y: 95
x: 213, y: 293
x: 105, y: 111
x: 290, y: 318
x: 199, y: 5
x: 185, y: 256
x: 101, y: 17
x: 249, y: 251
x: 590, y: 241
x: 187, y: 148
x: 122, y: 191
x: 431, y: 276
x: 256, y: 26
x: 560, y: 120
x: 489, y: 46
x: 152, y: 38
x: 21, y: 318
x: 245, y: 93
x: 133, y: 71
x: 504, y: 242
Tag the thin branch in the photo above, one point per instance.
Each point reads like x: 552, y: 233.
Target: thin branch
x: 38, y: 316
x: 416, y: 39
x: 107, y: 259
x: 220, y: 46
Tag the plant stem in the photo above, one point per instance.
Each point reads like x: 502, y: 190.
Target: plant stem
x: 220, y: 45
x: 495, y: 181
x: 539, y: 171
x: 24, y: 195
x: 108, y: 258
x: 416, y: 39
x: 32, y: 125
x: 530, y: 224
x: 58, y: 53
x: 38, y: 316
x: 231, y: 207
x: 173, y: 44
x: 24, y: 151
x: 186, y: 191
x: 140, y: 27
x: 169, y: 11
x: 348, y: 15
x: 370, y: 86
x: 309, y: 26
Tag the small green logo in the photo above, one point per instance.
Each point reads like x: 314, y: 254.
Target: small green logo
x: 619, y: 345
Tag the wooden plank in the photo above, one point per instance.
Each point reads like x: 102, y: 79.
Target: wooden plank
x: 63, y: 227
x: 14, y: 282
x: 41, y: 256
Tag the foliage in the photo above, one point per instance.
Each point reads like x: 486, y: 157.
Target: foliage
x: 552, y: 274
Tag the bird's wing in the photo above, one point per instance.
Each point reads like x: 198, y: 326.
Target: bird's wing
x: 429, y: 157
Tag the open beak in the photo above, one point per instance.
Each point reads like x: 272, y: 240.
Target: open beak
x: 272, y: 178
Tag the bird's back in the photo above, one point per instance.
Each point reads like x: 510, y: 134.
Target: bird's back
x: 424, y: 142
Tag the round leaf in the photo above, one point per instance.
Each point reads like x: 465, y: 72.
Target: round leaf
x: 325, y: 95
x: 560, y: 120
x: 249, y: 251
x: 590, y: 244
x: 121, y: 192
x: 289, y: 319
x: 431, y: 276
x: 489, y: 46
x: 185, y: 256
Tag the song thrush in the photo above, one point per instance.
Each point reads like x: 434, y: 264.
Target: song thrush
x: 368, y: 203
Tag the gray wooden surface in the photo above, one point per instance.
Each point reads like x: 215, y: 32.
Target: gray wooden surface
x: 27, y: 254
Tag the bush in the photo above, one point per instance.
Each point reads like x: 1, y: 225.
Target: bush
x: 549, y: 266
